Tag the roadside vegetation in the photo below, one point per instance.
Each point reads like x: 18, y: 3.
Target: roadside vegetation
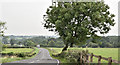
x: 56, y: 52
x: 105, y: 52
x: 15, y: 54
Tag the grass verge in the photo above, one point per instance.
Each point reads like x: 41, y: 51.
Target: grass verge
x: 62, y: 60
x: 104, y: 52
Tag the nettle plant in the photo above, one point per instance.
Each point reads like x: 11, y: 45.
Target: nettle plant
x: 75, y: 22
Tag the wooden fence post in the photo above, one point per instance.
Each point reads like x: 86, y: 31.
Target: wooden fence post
x: 87, y: 59
x: 91, y: 58
x: 81, y: 58
x: 99, y: 60
x: 110, y: 61
x: 78, y: 60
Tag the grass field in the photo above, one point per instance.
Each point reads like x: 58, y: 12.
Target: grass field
x: 104, y: 52
x: 17, y: 50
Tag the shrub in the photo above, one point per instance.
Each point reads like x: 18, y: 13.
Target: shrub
x: 30, y: 55
x: 21, y: 55
x: 11, y: 53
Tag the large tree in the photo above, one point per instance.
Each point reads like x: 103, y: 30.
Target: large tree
x: 76, y: 22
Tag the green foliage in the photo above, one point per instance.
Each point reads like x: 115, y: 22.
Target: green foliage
x: 12, y: 42
x: 108, y: 45
x: 78, y: 21
x: 93, y: 45
x: 30, y: 43
x: 21, y: 55
x: 104, y: 52
x: 1, y: 46
x: 2, y: 28
x: 51, y: 43
x: 4, y: 47
x: 5, y: 40
x: 44, y: 41
x: 19, y: 43
x: 11, y: 53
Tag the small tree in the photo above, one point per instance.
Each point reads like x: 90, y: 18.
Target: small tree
x: 19, y: 43
x: 92, y: 45
x: 5, y: 40
x: 12, y: 42
x: 76, y: 22
x: 2, y: 47
x: 30, y: 43
x: 51, y: 43
x: 108, y: 45
x: 2, y: 28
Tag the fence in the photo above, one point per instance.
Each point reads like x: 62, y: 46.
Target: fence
x: 88, y: 58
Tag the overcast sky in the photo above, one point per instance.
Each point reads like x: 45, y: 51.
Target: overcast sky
x: 24, y: 17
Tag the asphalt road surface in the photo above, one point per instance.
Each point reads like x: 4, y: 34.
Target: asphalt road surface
x: 42, y: 58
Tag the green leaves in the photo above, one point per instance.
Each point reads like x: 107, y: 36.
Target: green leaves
x: 2, y: 28
x: 58, y: 23
x: 112, y: 15
x: 74, y: 21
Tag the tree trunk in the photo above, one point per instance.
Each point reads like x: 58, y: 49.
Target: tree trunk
x: 71, y: 45
x: 65, y: 48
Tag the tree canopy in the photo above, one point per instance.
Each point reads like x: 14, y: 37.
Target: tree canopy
x: 30, y: 43
x: 76, y: 22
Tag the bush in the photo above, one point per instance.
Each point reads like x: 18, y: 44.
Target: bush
x: 93, y: 45
x: 21, y: 55
x: 11, y: 53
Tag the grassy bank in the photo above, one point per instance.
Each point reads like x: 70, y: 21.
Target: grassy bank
x: 62, y: 60
x: 19, y: 50
x: 104, y: 52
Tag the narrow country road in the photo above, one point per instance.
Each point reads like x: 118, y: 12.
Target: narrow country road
x: 43, y: 57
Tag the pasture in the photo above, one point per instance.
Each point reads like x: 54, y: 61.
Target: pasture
x: 17, y: 50
x: 104, y: 52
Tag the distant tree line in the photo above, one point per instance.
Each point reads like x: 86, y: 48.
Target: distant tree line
x: 103, y: 42
x: 32, y: 41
